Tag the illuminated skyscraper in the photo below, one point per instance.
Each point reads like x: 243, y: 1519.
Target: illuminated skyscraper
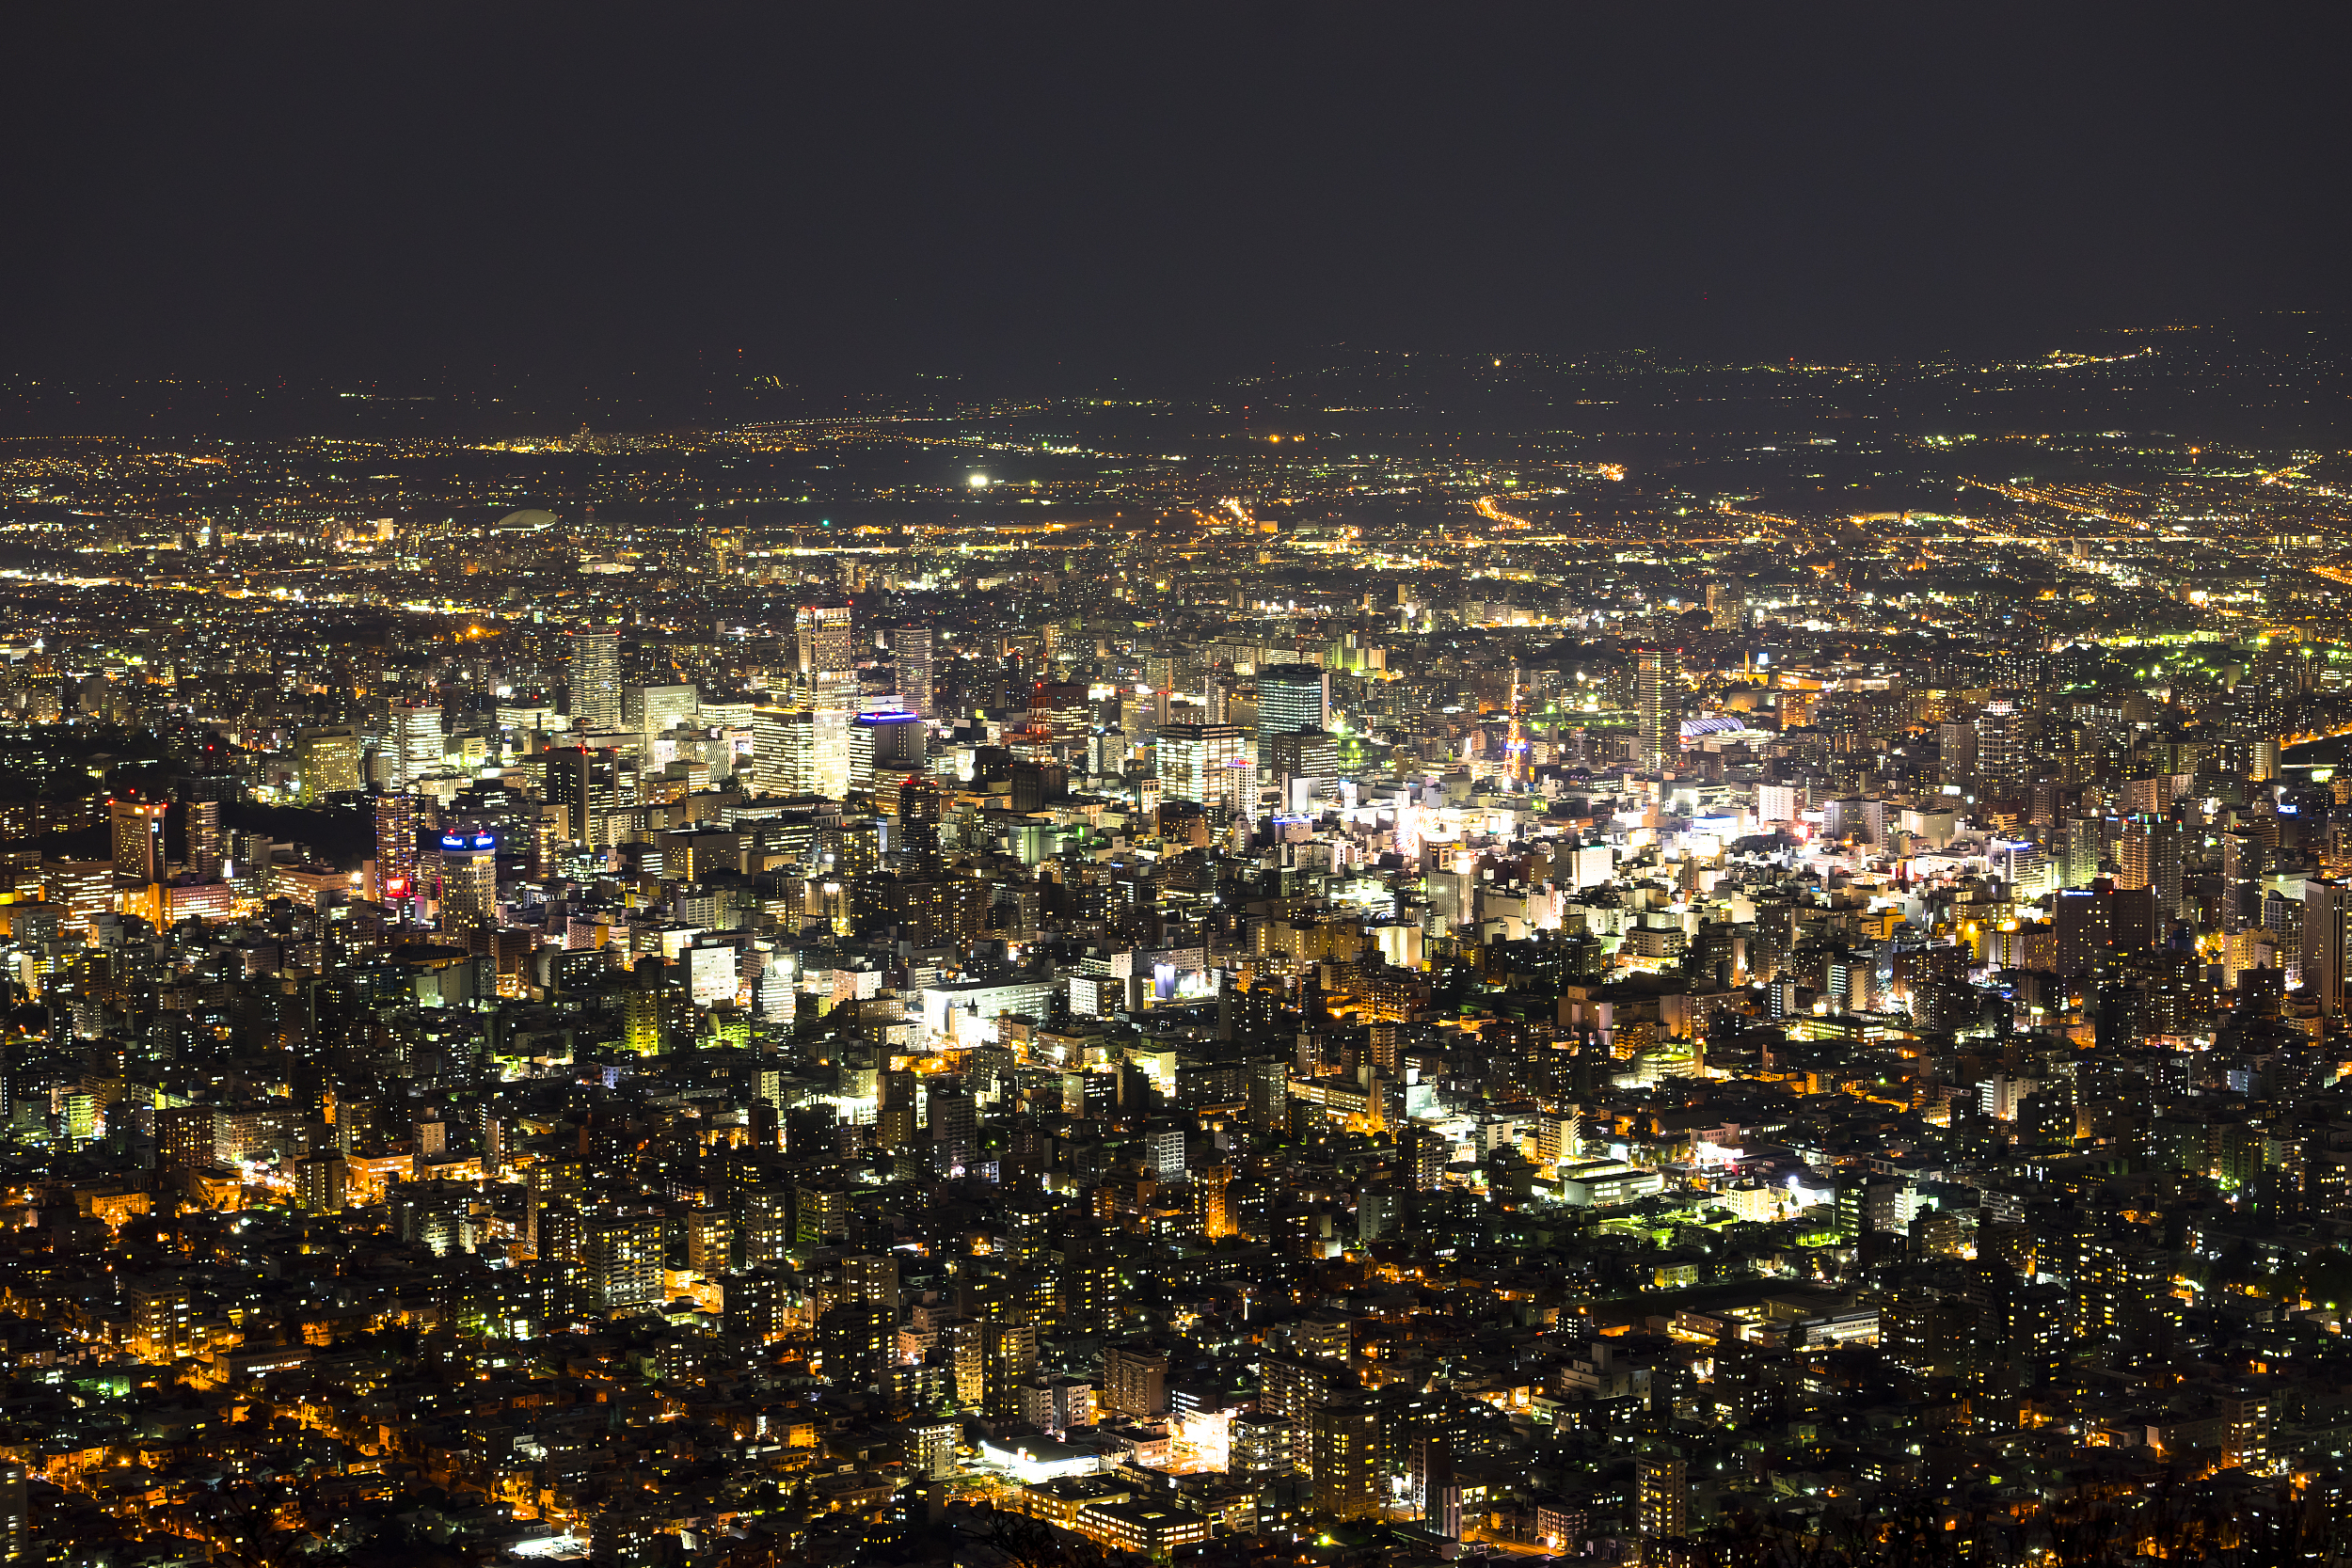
x: 591, y: 785
x: 207, y: 848
x: 593, y: 671
x: 663, y: 708
x: 327, y: 761
x: 1726, y: 606
x: 469, y: 883
x: 1292, y: 697
x: 919, y: 812
x: 833, y: 703
x: 783, y: 752
x: 1205, y: 764
x: 395, y: 848
x: 883, y: 745
x: 2150, y: 854
x: 416, y: 742
x: 138, y: 841
x: 910, y: 650
x: 1658, y: 703
x: 825, y: 640
x: 1998, y: 747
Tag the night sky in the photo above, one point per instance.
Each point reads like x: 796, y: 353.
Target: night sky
x: 1007, y: 194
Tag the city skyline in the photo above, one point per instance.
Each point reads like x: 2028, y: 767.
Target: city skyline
x: 1213, y: 787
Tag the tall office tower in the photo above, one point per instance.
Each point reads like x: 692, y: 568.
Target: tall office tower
x: 1658, y: 702
x: 783, y: 752
x: 825, y: 640
x: 833, y: 701
x: 470, y: 882
x: 395, y: 848
x: 663, y: 708
x: 884, y: 746
x: 1726, y: 606
x: 1292, y: 697
x: 1205, y: 764
x: 1309, y: 759
x: 138, y: 841
x: 327, y: 761
x: 415, y: 742
x: 2327, y: 921
x: 2000, y: 751
x: 207, y: 848
x: 910, y: 650
x: 593, y: 671
x: 587, y: 783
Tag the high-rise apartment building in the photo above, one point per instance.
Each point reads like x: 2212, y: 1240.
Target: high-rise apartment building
x: 1999, y: 747
x: 1344, y: 1443
x: 871, y: 1278
x: 1726, y: 606
x: 15, y: 1514
x: 620, y: 1257
x: 1661, y: 1486
x: 207, y: 845
x: 2150, y: 855
x: 1657, y: 706
x: 2327, y: 941
x: 1135, y: 1381
x: 395, y: 848
x: 593, y: 671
